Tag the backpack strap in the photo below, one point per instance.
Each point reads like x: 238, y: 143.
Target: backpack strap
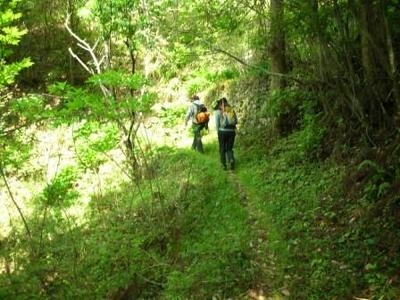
x: 196, y: 109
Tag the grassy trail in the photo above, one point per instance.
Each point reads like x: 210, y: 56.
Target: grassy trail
x: 259, y: 256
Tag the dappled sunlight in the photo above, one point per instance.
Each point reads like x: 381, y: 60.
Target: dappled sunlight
x: 153, y: 131
x: 55, y: 149
x: 179, y: 137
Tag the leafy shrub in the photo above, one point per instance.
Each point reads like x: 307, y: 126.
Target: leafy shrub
x: 92, y: 141
x: 61, y: 192
x: 172, y: 116
x: 291, y: 108
x: 220, y: 76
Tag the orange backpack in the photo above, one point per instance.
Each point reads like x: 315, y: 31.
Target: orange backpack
x: 202, y: 115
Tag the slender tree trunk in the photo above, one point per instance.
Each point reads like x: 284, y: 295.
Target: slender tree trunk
x: 71, y: 61
x: 318, y: 43
x: 366, y: 43
x: 394, y: 74
x: 277, y: 47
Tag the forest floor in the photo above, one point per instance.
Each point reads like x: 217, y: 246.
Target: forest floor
x: 263, y: 231
x: 56, y: 148
x: 257, y: 221
x: 259, y: 292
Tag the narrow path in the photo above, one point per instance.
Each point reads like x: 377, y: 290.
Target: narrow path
x: 258, y: 245
x: 260, y: 257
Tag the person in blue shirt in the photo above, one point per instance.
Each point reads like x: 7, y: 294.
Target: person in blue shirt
x: 226, y: 133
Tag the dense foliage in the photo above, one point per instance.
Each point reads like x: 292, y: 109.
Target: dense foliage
x: 97, y: 208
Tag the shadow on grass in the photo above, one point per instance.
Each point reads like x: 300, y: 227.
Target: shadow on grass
x: 179, y: 232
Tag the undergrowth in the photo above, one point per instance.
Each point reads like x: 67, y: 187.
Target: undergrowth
x: 180, y: 233
x: 296, y: 227
x: 325, y: 245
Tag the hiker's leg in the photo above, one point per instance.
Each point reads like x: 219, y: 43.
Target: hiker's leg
x: 199, y: 143
x: 194, y: 143
x: 197, y: 139
x: 194, y: 130
x: 194, y: 136
x: 221, y: 142
x: 230, y: 142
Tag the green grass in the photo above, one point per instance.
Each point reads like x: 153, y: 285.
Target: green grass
x: 185, y: 235
x: 185, y: 229
x: 288, y: 195
x: 319, y: 247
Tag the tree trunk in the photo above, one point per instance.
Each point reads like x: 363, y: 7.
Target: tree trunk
x: 277, y: 47
x: 317, y: 42
x: 379, y: 101
x: 71, y: 60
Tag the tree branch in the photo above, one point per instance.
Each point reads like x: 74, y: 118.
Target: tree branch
x: 255, y: 67
x: 80, y: 61
x: 3, y: 175
x: 86, y: 46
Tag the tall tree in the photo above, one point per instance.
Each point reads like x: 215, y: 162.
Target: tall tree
x: 277, y: 49
x: 379, y: 66
x: 115, y: 63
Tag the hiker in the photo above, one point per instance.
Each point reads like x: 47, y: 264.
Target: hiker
x: 197, y: 113
x: 225, y: 123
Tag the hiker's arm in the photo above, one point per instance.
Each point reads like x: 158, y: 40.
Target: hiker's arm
x: 188, y: 115
x: 217, y: 119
